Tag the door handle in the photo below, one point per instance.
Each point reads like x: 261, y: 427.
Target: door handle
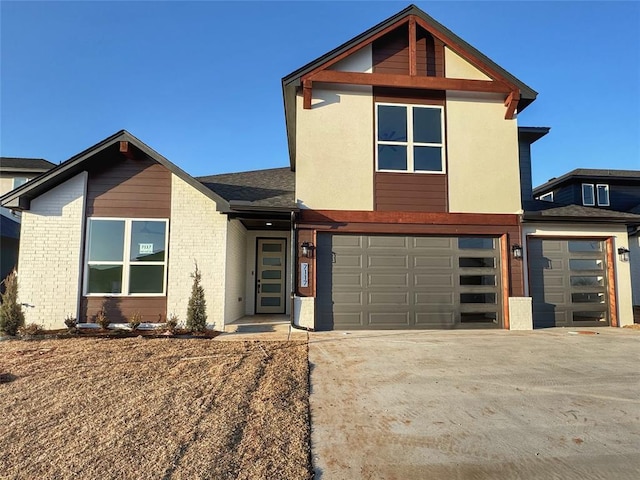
x: 258, y: 286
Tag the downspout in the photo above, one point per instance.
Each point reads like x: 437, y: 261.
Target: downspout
x: 294, y: 265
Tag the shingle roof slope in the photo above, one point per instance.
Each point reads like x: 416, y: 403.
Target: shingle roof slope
x: 538, y: 209
x: 26, y: 163
x: 587, y: 172
x: 274, y: 187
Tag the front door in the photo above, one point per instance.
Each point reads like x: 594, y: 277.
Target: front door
x: 270, y: 278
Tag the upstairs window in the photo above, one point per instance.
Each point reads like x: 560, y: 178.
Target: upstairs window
x: 547, y: 197
x: 603, y: 195
x: 588, y: 195
x: 126, y: 257
x: 409, y: 138
x: 595, y: 193
x: 17, y: 181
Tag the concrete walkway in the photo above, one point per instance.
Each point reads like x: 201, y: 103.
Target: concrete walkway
x: 476, y: 405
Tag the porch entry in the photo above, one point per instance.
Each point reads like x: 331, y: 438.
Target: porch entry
x: 271, y: 275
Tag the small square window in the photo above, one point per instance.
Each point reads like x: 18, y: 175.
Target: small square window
x: 17, y: 181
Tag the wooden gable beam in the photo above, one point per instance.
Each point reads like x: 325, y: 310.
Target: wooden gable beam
x: 126, y: 149
x: 464, y: 54
x: 511, y: 102
x: 413, y: 53
x: 404, y: 81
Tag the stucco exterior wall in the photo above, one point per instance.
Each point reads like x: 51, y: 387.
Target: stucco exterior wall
x: 49, y: 263
x: 235, y: 271
x: 250, y: 276
x: 457, y: 67
x: 197, y: 233
x: 334, y: 158
x: 482, y: 155
x: 622, y: 269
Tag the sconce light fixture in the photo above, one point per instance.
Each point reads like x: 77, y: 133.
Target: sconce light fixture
x: 307, y: 249
x: 624, y: 254
x: 516, y: 251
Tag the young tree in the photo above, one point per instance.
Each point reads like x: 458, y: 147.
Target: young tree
x: 197, y: 309
x: 11, y: 315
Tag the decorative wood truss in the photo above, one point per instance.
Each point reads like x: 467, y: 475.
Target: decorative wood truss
x: 497, y: 84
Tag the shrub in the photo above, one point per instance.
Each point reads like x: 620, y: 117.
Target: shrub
x: 102, y: 319
x: 197, y: 309
x: 31, y: 329
x: 172, y: 323
x: 11, y: 314
x: 71, y: 323
x: 134, y: 321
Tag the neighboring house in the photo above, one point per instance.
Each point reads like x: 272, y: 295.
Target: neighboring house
x: 13, y: 173
x: 402, y: 208
x: 612, y: 190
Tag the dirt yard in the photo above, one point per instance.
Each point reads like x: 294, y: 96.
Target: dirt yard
x: 154, y: 408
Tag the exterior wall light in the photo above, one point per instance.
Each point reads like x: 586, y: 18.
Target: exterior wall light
x: 516, y: 251
x: 624, y: 254
x: 307, y: 249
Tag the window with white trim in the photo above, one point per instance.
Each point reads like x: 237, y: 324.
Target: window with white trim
x: 126, y: 257
x: 588, y: 194
x: 409, y: 138
x: 547, y: 197
x: 603, y: 195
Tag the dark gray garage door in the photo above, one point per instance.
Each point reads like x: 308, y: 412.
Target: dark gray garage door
x: 397, y: 281
x: 568, y: 281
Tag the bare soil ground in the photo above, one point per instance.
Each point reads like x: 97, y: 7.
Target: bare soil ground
x: 154, y: 408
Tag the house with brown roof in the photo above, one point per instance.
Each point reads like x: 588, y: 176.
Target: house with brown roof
x: 381, y: 220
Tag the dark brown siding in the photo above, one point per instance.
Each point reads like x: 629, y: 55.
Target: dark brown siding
x: 409, y: 95
x: 129, y: 188
x: 407, y: 192
x: 120, y: 309
x: 391, y: 53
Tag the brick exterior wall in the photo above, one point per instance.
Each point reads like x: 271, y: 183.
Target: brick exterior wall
x: 197, y: 232
x: 235, y: 271
x: 49, y: 263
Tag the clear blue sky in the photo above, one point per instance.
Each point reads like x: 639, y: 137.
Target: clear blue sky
x: 200, y: 81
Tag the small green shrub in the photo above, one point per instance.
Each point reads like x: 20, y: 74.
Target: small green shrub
x: 31, y: 329
x: 197, y: 309
x: 134, y: 321
x: 102, y: 319
x: 172, y: 323
x: 11, y: 314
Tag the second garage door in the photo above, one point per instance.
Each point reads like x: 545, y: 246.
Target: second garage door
x: 397, y: 281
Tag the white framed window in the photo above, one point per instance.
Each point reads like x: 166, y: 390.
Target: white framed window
x: 410, y: 138
x: 126, y: 257
x: 588, y: 194
x: 17, y: 181
x: 603, y: 195
x: 547, y: 197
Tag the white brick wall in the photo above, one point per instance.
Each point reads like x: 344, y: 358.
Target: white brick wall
x: 235, y: 271
x: 49, y: 263
x: 197, y: 232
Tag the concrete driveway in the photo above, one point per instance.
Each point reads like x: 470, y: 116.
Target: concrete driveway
x: 476, y: 405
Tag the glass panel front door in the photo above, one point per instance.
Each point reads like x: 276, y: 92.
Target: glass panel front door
x: 271, y: 275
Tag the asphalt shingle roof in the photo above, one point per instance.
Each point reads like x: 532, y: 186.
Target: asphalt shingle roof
x: 26, y: 163
x: 541, y: 210
x: 582, y: 173
x: 274, y: 187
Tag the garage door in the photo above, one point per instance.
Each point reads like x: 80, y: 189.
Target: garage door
x: 568, y: 279
x: 397, y: 281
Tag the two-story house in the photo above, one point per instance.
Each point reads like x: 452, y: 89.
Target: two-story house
x: 402, y: 207
x: 612, y: 190
x: 13, y: 173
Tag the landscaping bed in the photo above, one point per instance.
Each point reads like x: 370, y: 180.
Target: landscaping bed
x: 154, y: 408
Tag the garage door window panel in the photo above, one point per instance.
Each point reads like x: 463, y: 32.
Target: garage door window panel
x: 585, y: 264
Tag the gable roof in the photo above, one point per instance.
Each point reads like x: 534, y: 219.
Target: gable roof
x: 539, y: 210
x: 592, y: 174
x: 16, y: 164
x: 20, y: 198
x: 271, y: 189
x: 291, y: 82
